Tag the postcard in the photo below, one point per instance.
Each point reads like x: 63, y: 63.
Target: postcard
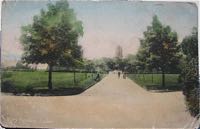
x: 99, y: 64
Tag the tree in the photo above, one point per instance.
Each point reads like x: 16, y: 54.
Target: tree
x: 89, y: 66
x: 189, y: 45
x: 143, y: 56
x: 190, y: 74
x: 100, y: 65
x: 109, y: 62
x: 20, y: 65
x: 159, y: 48
x: 52, y: 38
x: 130, y: 64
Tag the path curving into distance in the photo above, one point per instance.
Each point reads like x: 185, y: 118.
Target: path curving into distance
x: 111, y: 103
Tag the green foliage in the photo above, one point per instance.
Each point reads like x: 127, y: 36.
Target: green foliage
x: 191, y: 86
x: 89, y: 65
x: 159, y: 49
x: 110, y: 63
x: 100, y: 65
x: 21, y: 66
x: 130, y: 64
x: 190, y: 73
x: 189, y: 45
x: 52, y: 38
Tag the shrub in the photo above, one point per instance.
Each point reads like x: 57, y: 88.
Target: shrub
x: 191, y: 86
x: 7, y: 86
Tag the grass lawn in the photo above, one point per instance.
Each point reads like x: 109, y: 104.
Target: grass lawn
x: 154, y: 81
x: 23, y: 82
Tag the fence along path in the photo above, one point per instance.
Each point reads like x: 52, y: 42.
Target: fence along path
x: 112, y: 102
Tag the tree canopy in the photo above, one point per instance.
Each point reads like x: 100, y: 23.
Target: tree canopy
x: 190, y: 73
x: 52, y: 38
x: 189, y: 44
x: 159, y: 48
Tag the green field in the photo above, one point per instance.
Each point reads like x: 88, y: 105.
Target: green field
x: 25, y: 82
x: 154, y: 81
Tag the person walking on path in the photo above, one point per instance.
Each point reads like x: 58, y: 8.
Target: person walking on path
x: 97, y: 77
x: 118, y: 74
x: 124, y: 75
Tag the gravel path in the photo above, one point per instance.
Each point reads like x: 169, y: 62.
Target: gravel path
x: 113, y: 102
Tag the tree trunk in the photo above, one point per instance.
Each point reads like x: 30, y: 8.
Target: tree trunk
x: 163, y: 78
x: 85, y: 74
x: 50, y: 77
x: 143, y: 76
x: 74, y: 77
x: 152, y: 77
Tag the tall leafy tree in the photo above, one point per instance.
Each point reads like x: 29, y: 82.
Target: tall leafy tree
x: 159, y: 48
x: 89, y: 65
x: 109, y: 62
x: 142, y: 57
x: 130, y: 64
x: 190, y: 73
x: 52, y: 38
x: 189, y: 45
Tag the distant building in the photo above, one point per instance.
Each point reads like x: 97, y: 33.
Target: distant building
x: 42, y: 66
x: 119, y: 52
x: 39, y: 66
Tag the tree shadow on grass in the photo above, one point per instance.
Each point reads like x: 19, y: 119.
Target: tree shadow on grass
x: 34, y: 90
x: 8, y: 87
x: 168, y: 88
x: 47, y: 92
x: 55, y: 92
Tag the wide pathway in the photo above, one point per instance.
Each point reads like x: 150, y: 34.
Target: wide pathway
x: 111, y: 103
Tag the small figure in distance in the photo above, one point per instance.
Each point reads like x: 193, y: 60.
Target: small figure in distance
x: 97, y: 77
x: 124, y: 75
x: 118, y: 74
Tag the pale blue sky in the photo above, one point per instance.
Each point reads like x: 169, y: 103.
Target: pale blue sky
x: 106, y: 24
